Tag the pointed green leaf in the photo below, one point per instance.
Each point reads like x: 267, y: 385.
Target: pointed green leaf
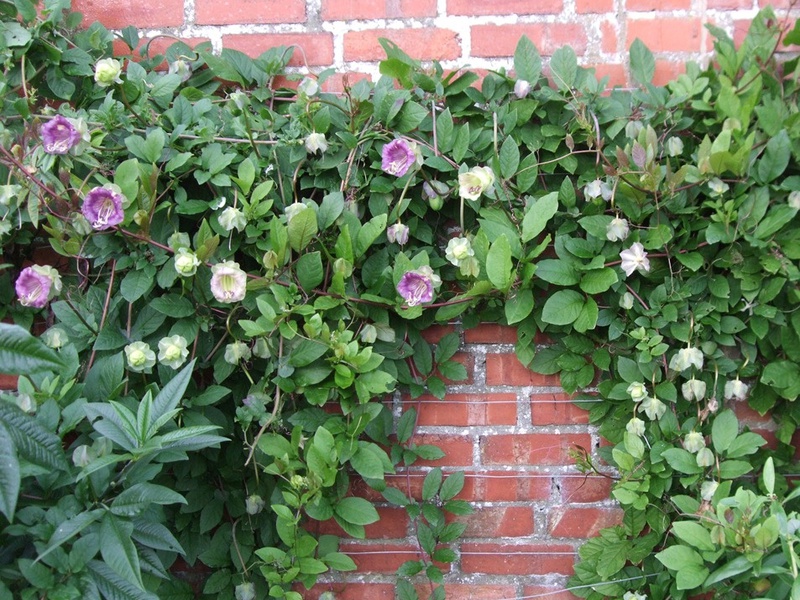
x: 22, y: 353
x: 563, y: 307
x: 643, y: 63
x: 9, y: 475
x: 302, y: 228
x: 527, y: 62
x: 118, y: 551
x: 538, y: 214
x: 169, y: 397
x: 498, y: 263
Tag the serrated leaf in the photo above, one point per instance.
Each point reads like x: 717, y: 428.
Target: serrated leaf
x: 155, y: 535
x: 140, y: 496
x: 30, y: 440
x: 22, y: 353
x: 9, y: 475
x: 168, y: 398
x: 114, y: 587
x: 118, y: 551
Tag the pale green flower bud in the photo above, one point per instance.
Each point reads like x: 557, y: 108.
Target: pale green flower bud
x: 25, y: 403
x: 179, y: 240
x: 705, y: 458
x: 718, y: 187
x: 82, y: 456
x: 254, y: 504
x: 369, y: 334
x: 693, y: 442
x: 236, y: 352
x: 141, y: 218
x: 685, y: 358
x: 232, y: 218
x: 735, y: 389
x: 293, y: 210
x: 343, y: 267
x: 626, y: 301
x: 270, y: 260
x: 674, y: 146
x: 638, y: 391
x: 617, y: 230
x: 261, y: 348
x: 298, y: 482
x: 794, y: 199
x: 173, y: 351
x: 55, y: 338
x: 245, y: 591
x: 694, y: 390
x: 708, y: 489
x: 635, y: 427
x: 181, y: 68
x: 107, y: 72
x: 633, y: 596
x: 140, y: 357
x: 458, y: 250
x: 633, y: 128
x: 186, y: 262
x: 653, y: 408
x: 316, y: 142
x: 308, y: 86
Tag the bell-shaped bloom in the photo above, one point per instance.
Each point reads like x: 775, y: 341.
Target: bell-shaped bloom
x: 685, y: 358
x: 653, y: 408
x: 718, y: 187
x: 397, y: 233
x: 236, y: 352
x: 37, y: 285
x: 708, y: 489
x: 245, y: 591
x: 107, y: 72
x: 522, y: 88
x: 55, y: 338
x: 593, y: 189
x: 705, y: 458
x: 59, y: 135
x: 415, y: 288
x: 140, y: 357
x: 694, y: 442
x: 634, y: 259
x: 735, y: 389
x: 694, y: 390
x: 458, y: 250
x: 181, y: 68
x: 173, y: 351
x: 397, y: 157
x: 232, y: 218
x: 186, y: 262
x: 102, y: 207
x: 254, y: 504
x: 228, y: 282
x: 475, y: 182
x: 308, y: 86
x: 674, y: 146
x: 638, y: 391
x: 635, y: 427
x: 316, y: 142
x: 617, y: 230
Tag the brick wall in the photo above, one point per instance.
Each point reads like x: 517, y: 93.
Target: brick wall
x: 481, y: 34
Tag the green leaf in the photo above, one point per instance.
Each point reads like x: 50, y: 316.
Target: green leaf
x: 452, y: 486
x: 431, y: 483
x: 447, y: 347
x: 724, y: 430
x: 693, y: 534
x: 509, y: 158
x: 302, y: 228
x: 135, y: 284
x: 563, y: 307
x: 9, y: 475
x: 31, y: 440
x: 538, y: 214
x: 356, y: 511
x: 679, y: 557
x: 768, y: 475
x: 173, y: 305
x: 587, y: 318
x: 155, y: 535
x: 498, y: 263
x: 519, y: 305
x: 118, y: 551
x: 367, y: 463
x: 114, y: 587
x: 22, y: 353
x: 527, y: 62
x: 405, y: 426
x: 776, y: 157
x: 309, y: 270
x: 140, y: 496
x: 682, y: 461
x: 599, y: 280
x: 564, y: 67
x: 643, y: 63
x: 329, y: 210
x: 558, y: 272
x: 69, y: 529
x: 168, y: 398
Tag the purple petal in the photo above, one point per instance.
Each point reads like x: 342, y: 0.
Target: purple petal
x: 59, y: 136
x: 102, y: 207
x: 33, y: 289
x: 397, y: 157
x: 415, y: 288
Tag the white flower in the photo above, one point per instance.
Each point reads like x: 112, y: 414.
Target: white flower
x: 794, y: 199
x: 397, y: 233
x: 705, y: 458
x: 25, y: 403
x: 735, y: 389
x: 140, y: 357
x: 522, y: 88
x: 236, y: 352
x: 458, y: 250
x: 707, y: 490
x: 617, y: 230
x: 633, y: 596
x: 593, y: 190
x: 316, y: 142
x: 228, y: 282
x: 634, y: 259
x: 186, y: 262
x: 232, y: 218
x: 674, y: 146
x: 637, y: 391
x: 173, y: 351
x: 82, y: 456
x: 308, y: 86
x: 635, y: 427
x: 626, y: 301
x: 107, y: 72
x: 181, y: 68
x: 55, y: 338
x: 653, y: 408
x: 718, y: 187
x: 694, y: 442
x: 475, y: 182
x: 254, y: 504
x: 694, y: 390
x: 633, y: 128
x: 685, y: 358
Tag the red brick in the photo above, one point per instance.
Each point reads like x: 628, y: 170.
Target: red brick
x: 582, y: 522
x: 457, y: 449
x: 379, y: 558
x: 501, y: 40
x: 667, y: 71
x: 556, y: 409
x: 548, y: 593
x: 351, y: 591
x: 662, y: 5
x: 594, y: 6
x: 424, y: 44
x: 8, y: 382
x: 346, y: 10
x: 227, y: 12
x: 585, y: 488
x: 116, y: 14
x: 503, y: 7
x: 338, y: 82
x: 667, y: 34
x: 749, y: 416
x: 155, y: 46
x: 463, y: 591
x: 531, y: 448
x: 498, y: 522
x: 468, y: 360
x: 505, y: 369
x: 490, y: 333
x: 728, y: 4
x: 517, y: 559
x: 507, y: 486
x: 608, y: 38
x: 316, y: 47
x: 393, y: 523
x: 463, y: 410
x: 434, y: 333
x: 615, y: 73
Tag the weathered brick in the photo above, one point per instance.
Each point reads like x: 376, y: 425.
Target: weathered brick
x: 550, y: 593
x: 556, y: 409
x: 424, y: 44
x: 227, y: 12
x: 594, y: 6
x: 584, y: 488
x: 507, y: 486
x: 517, y: 559
x: 463, y: 591
x: 379, y: 558
x: 667, y: 34
x: 350, y: 591
x: 393, y: 523
x: 660, y: 5
x: 498, y: 522
x: 317, y: 48
x: 462, y: 410
x: 609, y: 40
x: 457, y: 449
x: 491, y: 333
x: 116, y: 14
x: 532, y: 448
x: 615, y: 73
x: 346, y: 10
x: 501, y: 40
x: 505, y: 369
x: 581, y: 522
x: 504, y: 7
x: 434, y: 333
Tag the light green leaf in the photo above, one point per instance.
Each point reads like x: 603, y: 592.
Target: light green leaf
x: 302, y: 228
x: 564, y: 67
x: 498, y: 263
x: 527, y: 62
x: 563, y: 307
x: 598, y: 280
x: 724, y: 430
x: 643, y: 63
x: 140, y: 496
x: 693, y: 534
x: 509, y: 158
x: 538, y: 214
x: 118, y: 550
x: 22, y: 353
x: 519, y: 305
x: 356, y: 511
x: 9, y: 475
x: 168, y: 398
x: 309, y: 270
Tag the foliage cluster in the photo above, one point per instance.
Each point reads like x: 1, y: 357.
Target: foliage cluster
x: 244, y: 272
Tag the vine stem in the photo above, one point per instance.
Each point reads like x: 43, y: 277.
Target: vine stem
x: 105, y: 310
x: 272, y: 417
